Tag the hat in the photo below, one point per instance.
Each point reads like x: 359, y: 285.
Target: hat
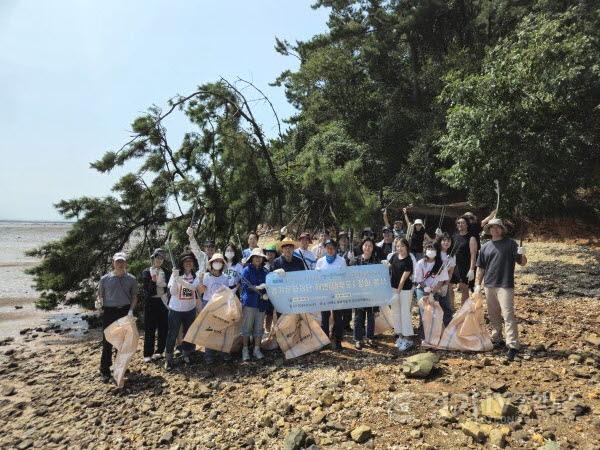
x: 418, y: 222
x: 468, y: 214
x: 386, y: 229
x: 120, y: 256
x: 330, y: 242
x: 270, y: 248
x: 215, y: 257
x: 498, y: 222
x: 342, y: 234
x: 186, y: 256
x: 367, y: 230
x: 288, y: 241
x: 255, y: 252
x: 304, y: 235
x: 158, y: 252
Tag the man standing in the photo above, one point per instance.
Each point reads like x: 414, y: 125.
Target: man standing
x: 308, y: 258
x: 496, y: 268
x: 288, y: 261
x: 117, y: 296
x: 319, y: 249
x: 465, y: 251
x: 386, y: 246
x: 252, y: 244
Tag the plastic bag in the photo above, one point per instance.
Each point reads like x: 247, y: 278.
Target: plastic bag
x: 123, y: 335
x: 299, y: 334
x: 218, y: 326
x: 432, y: 316
x: 384, y: 319
x: 269, y: 342
x: 467, y: 331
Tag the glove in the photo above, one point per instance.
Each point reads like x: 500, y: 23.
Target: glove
x: 438, y: 232
x: 175, y: 273
x: 153, y: 271
x: 283, y: 231
x: 265, y: 297
x: 280, y: 272
x: 98, y: 303
x: 477, y: 289
x: 471, y: 275
x: 427, y: 289
x: 130, y: 313
x: 261, y: 287
x: 521, y: 251
x: 190, y: 232
x: 396, y: 297
x: 385, y: 262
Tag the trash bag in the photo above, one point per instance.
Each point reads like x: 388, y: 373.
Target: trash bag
x: 123, y: 335
x: 219, y: 324
x: 269, y: 342
x: 432, y: 316
x: 467, y: 331
x: 384, y: 319
x: 298, y: 334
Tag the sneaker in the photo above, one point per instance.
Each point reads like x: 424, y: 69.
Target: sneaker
x: 157, y: 356
x: 257, y: 353
x: 338, y: 346
x: 358, y: 345
x: 245, y: 354
x: 147, y: 359
x: 370, y: 343
x: 169, y: 363
x: 105, y: 377
x: 511, y: 354
x: 403, y: 344
x: 499, y: 344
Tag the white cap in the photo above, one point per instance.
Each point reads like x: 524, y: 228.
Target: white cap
x: 418, y: 222
x: 120, y: 256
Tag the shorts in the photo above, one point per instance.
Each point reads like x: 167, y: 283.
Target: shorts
x: 252, y: 322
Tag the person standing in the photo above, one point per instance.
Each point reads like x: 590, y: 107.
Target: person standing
x: 398, y: 229
x: 253, y: 305
x: 308, y: 257
x: 232, y: 269
x: 465, y: 252
x: 402, y: 269
x: 496, y: 270
x: 386, y: 246
x: 362, y: 314
x: 319, y: 249
x: 430, y: 275
x: 418, y: 235
x: 252, y: 244
x: 117, y: 296
x: 156, y: 312
x: 332, y: 261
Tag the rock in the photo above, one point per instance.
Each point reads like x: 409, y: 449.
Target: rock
x: 327, y: 399
x: 166, y: 438
x: 361, y: 434
x: 497, y: 436
x: 497, y: 407
x: 574, y: 358
x: 8, y: 391
x: 549, y: 445
x: 446, y: 414
x: 416, y: 434
x: 498, y: 386
x: 318, y: 416
x: 527, y: 411
x: 25, y: 444
x: 295, y: 439
x: 477, y: 431
x: 592, y: 339
x: 577, y: 409
x: 419, y: 365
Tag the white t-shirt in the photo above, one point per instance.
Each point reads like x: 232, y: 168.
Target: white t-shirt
x: 337, y: 263
x: 449, y: 261
x: 184, y: 292
x: 212, y: 285
x: 308, y: 256
x: 424, y: 276
x: 233, y: 274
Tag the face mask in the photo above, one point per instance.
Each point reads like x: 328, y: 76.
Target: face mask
x: 229, y: 255
x: 431, y: 254
x: 330, y: 259
x: 217, y: 265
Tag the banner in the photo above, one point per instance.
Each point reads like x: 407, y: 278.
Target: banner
x: 324, y: 290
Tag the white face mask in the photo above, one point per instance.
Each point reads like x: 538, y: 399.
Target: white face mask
x: 217, y: 265
x: 229, y: 255
x: 430, y: 254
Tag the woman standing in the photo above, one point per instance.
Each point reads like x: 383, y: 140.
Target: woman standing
x: 233, y: 268
x: 360, y: 314
x: 156, y: 313
x: 253, y: 305
x: 402, y: 270
x: 185, y: 293
x: 444, y: 244
x: 417, y: 234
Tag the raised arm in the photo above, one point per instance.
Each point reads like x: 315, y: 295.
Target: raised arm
x: 201, y: 257
x: 386, y: 220
x: 485, y: 221
x: 406, y: 219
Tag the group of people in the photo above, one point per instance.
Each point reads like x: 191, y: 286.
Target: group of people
x: 419, y: 265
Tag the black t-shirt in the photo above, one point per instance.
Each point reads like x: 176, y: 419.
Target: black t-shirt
x: 416, y: 240
x: 294, y: 265
x: 498, y: 259
x: 462, y: 252
x: 475, y: 231
x: 399, y: 266
x: 385, y: 249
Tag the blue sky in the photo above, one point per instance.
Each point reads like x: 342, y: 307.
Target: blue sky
x: 75, y: 73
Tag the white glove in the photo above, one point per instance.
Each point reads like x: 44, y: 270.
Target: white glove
x: 521, y: 251
x: 261, y: 287
x: 385, y: 262
x: 438, y: 232
x: 190, y: 231
x: 477, y: 289
x: 427, y: 289
x: 283, y: 231
x: 130, y: 313
x: 471, y: 275
x: 265, y: 297
x: 279, y: 272
x: 350, y: 255
x: 98, y: 303
x: 175, y: 273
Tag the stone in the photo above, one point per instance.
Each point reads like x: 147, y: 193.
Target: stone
x: 327, y: 399
x: 25, y: 444
x: 166, y: 438
x: 318, y: 416
x: 8, y: 391
x: 497, y: 407
x: 527, y: 411
x: 549, y: 445
x: 497, y: 436
x: 574, y: 358
x: 592, y: 339
x: 295, y: 439
x: 419, y: 365
x: 498, y: 386
x: 446, y: 414
x: 477, y: 431
x: 361, y: 434
x: 416, y: 434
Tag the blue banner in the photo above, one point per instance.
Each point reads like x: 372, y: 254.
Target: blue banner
x: 323, y: 290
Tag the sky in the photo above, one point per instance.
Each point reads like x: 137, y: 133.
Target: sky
x: 75, y: 73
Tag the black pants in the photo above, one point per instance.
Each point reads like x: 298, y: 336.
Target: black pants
x: 109, y: 315
x: 338, y: 323
x: 156, y: 319
x: 347, y: 318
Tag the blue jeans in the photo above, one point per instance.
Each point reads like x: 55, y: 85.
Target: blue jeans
x: 178, y: 319
x: 444, y: 303
x: 359, y: 323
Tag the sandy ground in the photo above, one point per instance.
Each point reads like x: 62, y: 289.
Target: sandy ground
x: 51, y: 397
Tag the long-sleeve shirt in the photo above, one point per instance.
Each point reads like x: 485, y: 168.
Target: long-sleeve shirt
x: 184, y: 293
x: 255, y: 277
x: 337, y: 263
x: 201, y: 257
x: 156, y: 288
